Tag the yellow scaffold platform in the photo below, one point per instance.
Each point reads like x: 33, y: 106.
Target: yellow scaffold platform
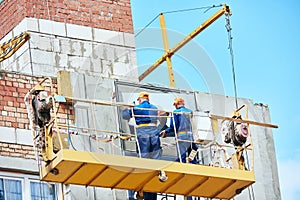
x: 140, y: 174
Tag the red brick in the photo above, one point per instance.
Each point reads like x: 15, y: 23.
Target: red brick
x: 18, y: 9
x: 7, y: 149
x: 3, y: 144
x: 15, y: 125
x: 11, y: 109
x: 15, y: 94
x: 23, y: 126
x: 14, y: 146
x: 4, y: 153
x: 10, y: 88
x: 28, y: 86
x: 19, y: 155
x: 10, y: 103
x: 15, y: 84
x: 25, y: 147
x: 21, y: 110
x: 7, y: 124
x: 21, y: 120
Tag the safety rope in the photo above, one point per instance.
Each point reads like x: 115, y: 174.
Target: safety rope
x: 228, y: 27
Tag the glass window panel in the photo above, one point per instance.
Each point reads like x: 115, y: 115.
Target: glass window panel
x: 1, y: 189
x: 42, y: 191
x: 12, y: 189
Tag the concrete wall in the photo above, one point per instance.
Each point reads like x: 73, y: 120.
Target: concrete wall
x: 55, y: 46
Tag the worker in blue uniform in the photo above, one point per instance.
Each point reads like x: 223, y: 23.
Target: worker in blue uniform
x: 183, y: 126
x: 147, y: 131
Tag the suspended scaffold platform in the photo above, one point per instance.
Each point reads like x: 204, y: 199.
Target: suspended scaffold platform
x: 141, y: 174
x: 210, y: 179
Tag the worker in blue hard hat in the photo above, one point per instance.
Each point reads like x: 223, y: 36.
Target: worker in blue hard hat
x: 147, y: 131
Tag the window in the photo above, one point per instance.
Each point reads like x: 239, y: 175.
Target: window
x: 42, y: 191
x: 26, y: 187
x: 10, y: 189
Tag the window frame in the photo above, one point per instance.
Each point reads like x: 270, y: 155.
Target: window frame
x: 26, y: 179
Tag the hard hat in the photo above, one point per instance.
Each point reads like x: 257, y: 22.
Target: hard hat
x: 38, y: 87
x: 178, y: 101
x: 144, y: 95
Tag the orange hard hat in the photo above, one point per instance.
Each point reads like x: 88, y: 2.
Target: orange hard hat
x: 178, y: 100
x: 37, y: 88
x: 144, y: 95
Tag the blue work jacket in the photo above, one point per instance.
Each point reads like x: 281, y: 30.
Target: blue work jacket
x: 141, y: 110
x: 182, y: 120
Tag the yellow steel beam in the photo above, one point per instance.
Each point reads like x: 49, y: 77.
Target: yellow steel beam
x: 204, y: 25
x: 166, y: 47
x: 243, y: 121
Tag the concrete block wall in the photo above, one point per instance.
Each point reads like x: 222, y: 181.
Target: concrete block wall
x: 112, y: 15
x: 55, y: 45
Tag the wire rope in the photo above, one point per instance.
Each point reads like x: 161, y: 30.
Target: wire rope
x: 146, y: 26
x: 228, y: 27
x: 177, y: 11
x: 192, y: 9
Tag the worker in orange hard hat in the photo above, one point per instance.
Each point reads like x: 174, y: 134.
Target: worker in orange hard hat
x: 182, y: 126
x: 147, y: 131
x: 143, y: 95
x: 178, y: 101
x: 181, y: 123
x: 38, y: 110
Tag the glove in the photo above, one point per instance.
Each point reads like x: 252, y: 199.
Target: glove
x: 163, y: 134
x: 126, y: 114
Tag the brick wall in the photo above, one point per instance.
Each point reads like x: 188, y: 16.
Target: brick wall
x: 13, y: 113
x: 17, y: 150
x: 112, y: 15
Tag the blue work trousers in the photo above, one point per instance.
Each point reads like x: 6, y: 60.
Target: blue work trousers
x: 186, y: 147
x: 149, y: 142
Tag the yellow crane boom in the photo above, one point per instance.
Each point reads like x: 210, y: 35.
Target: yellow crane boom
x: 169, y: 52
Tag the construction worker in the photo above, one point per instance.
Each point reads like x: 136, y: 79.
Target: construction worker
x: 147, y: 131
x: 38, y: 114
x: 182, y: 125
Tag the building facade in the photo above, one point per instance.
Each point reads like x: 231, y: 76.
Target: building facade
x: 94, y: 41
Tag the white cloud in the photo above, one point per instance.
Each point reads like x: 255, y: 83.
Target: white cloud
x: 289, y: 177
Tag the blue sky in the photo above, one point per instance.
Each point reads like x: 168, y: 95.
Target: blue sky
x: 266, y: 46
